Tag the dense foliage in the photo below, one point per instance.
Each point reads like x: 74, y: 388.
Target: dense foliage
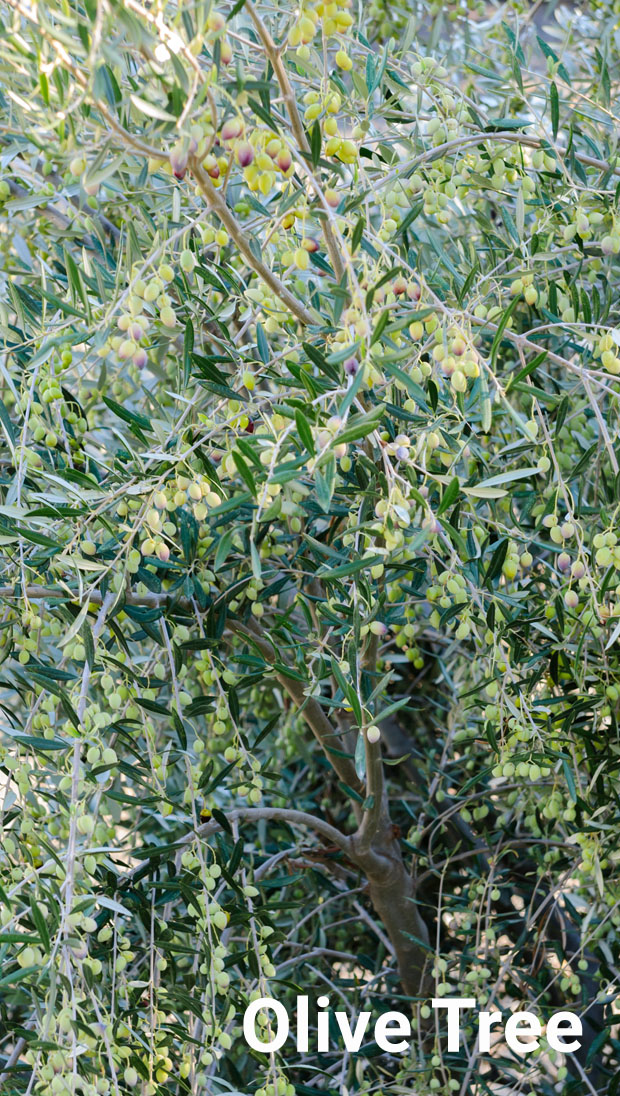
x: 310, y: 569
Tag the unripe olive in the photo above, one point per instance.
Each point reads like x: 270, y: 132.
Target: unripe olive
x: 187, y: 260
x: 168, y: 316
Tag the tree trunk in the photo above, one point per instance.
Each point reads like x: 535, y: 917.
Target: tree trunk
x: 392, y: 892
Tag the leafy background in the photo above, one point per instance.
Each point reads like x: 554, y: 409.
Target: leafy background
x: 309, y: 596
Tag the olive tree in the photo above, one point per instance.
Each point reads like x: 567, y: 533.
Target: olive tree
x: 310, y: 590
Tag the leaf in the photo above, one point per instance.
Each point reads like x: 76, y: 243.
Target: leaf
x: 262, y: 344
x: 89, y: 644
x: 485, y: 492
x: 262, y: 113
x: 360, y: 427
x: 304, y: 430
x: 75, y: 627
x: 40, y: 923
x: 570, y: 781
x: 45, y: 88
x: 497, y: 561
x: 42, y: 744
x: 244, y: 472
x: 597, y: 1044
x: 491, y: 737
x: 7, y: 423
x: 450, y: 495
x: 510, y: 225
x: 131, y: 417
x: 351, y: 794
x: 75, y: 281
x: 505, y: 477
x: 325, y: 480
x: 347, y: 691
x: 414, y: 390
x: 433, y: 394
x: 18, y: 938
x: 188, y: 346
x: 527, y: 370
x: 549, y: 53
x: 500, y: 330
x: 223, y: 549
x: 508, y: 122
x: 490, y: 75
x: 357, y: 234
x: 315, y: 143
x: 486, y: 416
x: 560, y: 415
x: 615, y: 635
x: 106, y: 86
x: 221, y: 818
x: 151, y: 109
x: 555, y: 109
x: 21, y: 974
x: 348, y: 351
x: 321, y: 362
x: 352, y: 568
x: 520, y: 213
x: 380, y: 327
x: 111, y: 904
x: 352, y: 392
x: 411, y: 216
x: 255, y: 558
x: 37, y: 538
x: 360, y: 758
x: 378, y: 76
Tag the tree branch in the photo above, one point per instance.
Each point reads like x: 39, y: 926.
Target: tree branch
x: 377, y: 818
x: 277, y: 814
x: 217, y: 203
x: 43, y: 593
x: 310, y: 709
x: 274, y: 55
x: 257, y: 814
x: 507, y: 137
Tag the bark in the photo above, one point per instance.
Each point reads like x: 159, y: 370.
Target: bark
x: 393, y: 898
x: 392, y: 893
